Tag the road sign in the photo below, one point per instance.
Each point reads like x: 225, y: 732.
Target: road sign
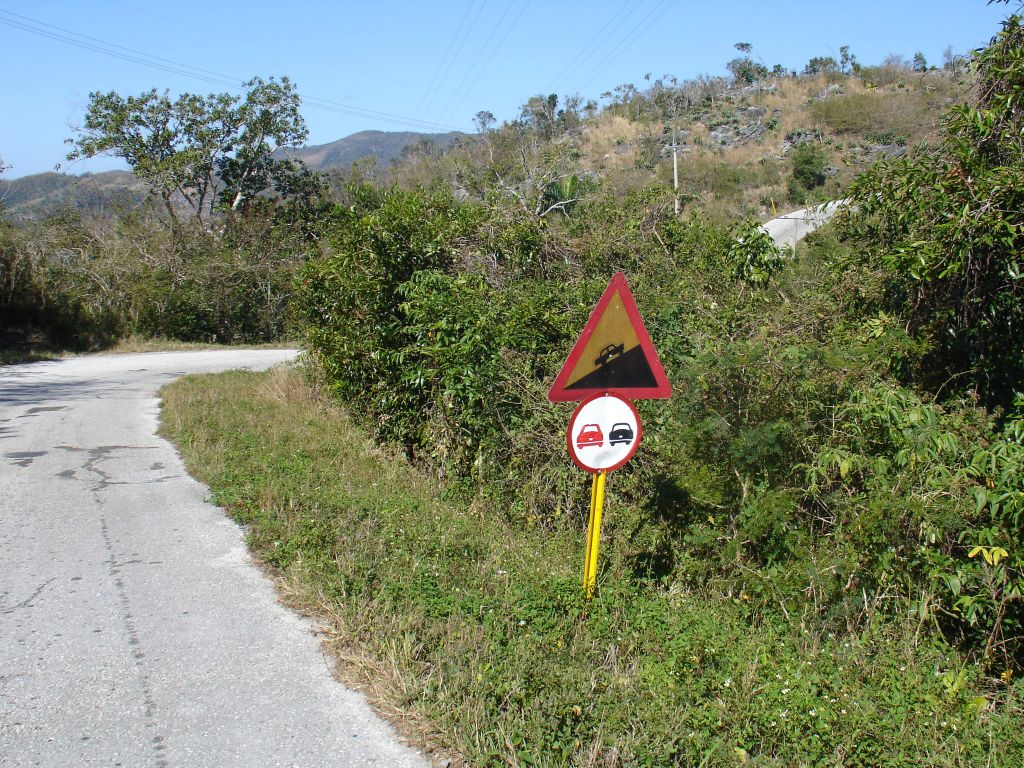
x: 614, y: 353
x: 603, y: 433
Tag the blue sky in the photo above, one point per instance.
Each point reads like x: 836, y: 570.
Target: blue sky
x: 429, y: 66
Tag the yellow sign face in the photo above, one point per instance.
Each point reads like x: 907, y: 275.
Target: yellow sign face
x: 613, y: 354
x: 613, y: 337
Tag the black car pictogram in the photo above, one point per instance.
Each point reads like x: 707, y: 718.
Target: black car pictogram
x: 609, y: 353
x: 621, y: 433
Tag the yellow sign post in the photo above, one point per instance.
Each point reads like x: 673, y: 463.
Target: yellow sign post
x: 613, y: 360
x: 593, y: 534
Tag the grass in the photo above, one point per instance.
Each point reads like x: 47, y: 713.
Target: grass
x: 473, y: 634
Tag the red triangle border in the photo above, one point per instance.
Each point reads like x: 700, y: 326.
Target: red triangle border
x: 662, y: 389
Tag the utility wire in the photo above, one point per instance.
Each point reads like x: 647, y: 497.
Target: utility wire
x: 638, y: 31
x: 165, y: 18
x: 109, y: 50
x: 427, y: 96
x: 134, y: 56
x: 494, y: 52
x: 594, y: 45
x: 473, y: 65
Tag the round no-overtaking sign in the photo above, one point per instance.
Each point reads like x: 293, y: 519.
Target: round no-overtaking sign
x: 604, y: 433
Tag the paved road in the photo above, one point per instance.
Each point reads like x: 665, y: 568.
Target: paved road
x: 793, y: 227
x: 134, y: 629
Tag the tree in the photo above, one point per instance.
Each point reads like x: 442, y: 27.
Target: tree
x: 203, y: 151
x: 267, y: 120
x: 747, y: 71
x: 920, y: 63
x: 945, y: 228
x: 744, y: 69
x: 484, y: 121
x: 540, y: 113
x: 847, y: 61
x: 821, y: 65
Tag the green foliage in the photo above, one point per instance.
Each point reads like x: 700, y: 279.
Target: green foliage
x: 478, y: 627
x: 202, y: 151
x: 746, y: 71
x: 73, y: 283
x: 810, y: 165
x: 821, y: 65
x: 944, y: 225
x: 444, y: 322
x: 755, y: 255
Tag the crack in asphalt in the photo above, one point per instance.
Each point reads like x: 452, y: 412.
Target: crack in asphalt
x: 134, y: 641
x: 27, y: 602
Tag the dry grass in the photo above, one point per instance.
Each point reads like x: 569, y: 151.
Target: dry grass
x: 749, y: 179
x: 610, y: 143
x: 142, y: 344
x: 466, y: 632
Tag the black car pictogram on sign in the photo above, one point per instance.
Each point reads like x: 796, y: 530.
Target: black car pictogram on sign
x: 621, y: 433
x: 609, y: 353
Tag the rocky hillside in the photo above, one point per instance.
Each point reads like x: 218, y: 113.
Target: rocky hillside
x: 737, y: 147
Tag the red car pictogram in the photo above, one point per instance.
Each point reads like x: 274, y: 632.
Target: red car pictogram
x: 591, y: 434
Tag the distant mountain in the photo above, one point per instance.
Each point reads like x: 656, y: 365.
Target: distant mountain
x: 44, y: 193
x: 383, y: 145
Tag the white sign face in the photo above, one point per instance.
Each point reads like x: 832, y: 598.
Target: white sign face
x: 604, y: 433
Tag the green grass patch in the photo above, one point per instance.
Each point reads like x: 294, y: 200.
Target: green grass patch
x: 477, y: 630
x: 884, y: 116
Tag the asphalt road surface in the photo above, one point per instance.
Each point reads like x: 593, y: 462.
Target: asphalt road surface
x: 134, y: 629
x: 788, y: 230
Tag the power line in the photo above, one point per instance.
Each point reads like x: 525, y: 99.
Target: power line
x: 427, y: 94
x: 494, y: 52
x: 110, y: 50
x: 134, y: 56
x: 579, y: 61
x: 645, y: 24
x: 447, y: 107
x: 249, y: 41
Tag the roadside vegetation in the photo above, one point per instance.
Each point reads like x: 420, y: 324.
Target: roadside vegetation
x: 814, y: 559
x: 470, y: 627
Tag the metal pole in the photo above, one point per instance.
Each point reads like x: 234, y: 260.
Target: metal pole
x: 675, y: 168
x: 593, y: 535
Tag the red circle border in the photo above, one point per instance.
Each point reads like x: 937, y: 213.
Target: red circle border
x: 636, y: 441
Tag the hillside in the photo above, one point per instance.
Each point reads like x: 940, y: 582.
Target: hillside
x: 736, y: 144
x: 42, y: 194
x: 745, y: 150
x: 385, y: 146
x: 45, y: 193
x: 736, y: 141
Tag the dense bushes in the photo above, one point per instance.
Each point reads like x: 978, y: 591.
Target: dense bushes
x: 797, y: 465
x: 78, y: 283
x: 476, y: 629
x: 944, y: 227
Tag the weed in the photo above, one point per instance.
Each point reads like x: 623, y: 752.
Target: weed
x: 476, y: 632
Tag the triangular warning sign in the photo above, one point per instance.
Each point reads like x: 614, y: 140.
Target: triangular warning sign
x: 613, y: 354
